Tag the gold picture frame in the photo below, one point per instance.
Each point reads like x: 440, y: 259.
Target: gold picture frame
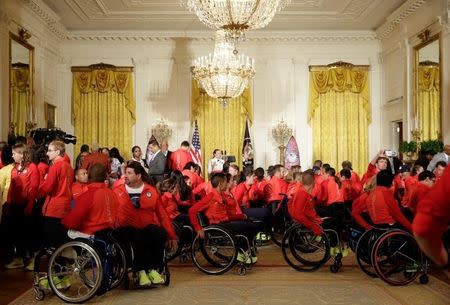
x: 50, y: 115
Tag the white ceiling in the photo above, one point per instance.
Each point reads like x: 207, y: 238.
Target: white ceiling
x: 168, y: 15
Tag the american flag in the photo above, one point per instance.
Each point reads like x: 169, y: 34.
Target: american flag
x: 195, y: 149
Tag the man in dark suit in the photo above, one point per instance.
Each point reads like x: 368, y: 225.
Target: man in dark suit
x: 157, y: 163
x: 165, y: 150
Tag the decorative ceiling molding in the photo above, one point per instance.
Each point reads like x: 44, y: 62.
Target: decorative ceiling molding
x: 341, y: 36
x: 397, y: 17
x: 48, y: 16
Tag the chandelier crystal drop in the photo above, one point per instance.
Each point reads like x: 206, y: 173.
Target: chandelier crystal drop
x: 235, y: 16
x: 224, y: 74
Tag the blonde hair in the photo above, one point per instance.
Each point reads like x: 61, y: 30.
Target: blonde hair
x: 58, y: 145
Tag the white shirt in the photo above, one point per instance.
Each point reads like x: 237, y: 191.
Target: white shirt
x: 215, y: 165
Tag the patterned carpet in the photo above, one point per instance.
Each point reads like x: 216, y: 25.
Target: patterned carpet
x: 271, y: 281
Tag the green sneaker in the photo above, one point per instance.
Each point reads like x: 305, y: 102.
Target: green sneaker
x: 155, y: 277
x: 61, y: 283
x: 412, y: 267
x: 30, y: 266
x: 254, y: 259
x: 318, y: 238
x: 244, y: 258
x: 345, y: 252
x: 333, y: 251
x: 43, y: 283
x: 144, y: 281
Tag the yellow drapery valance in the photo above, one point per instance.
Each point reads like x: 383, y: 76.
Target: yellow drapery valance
x: 339, y: 114
x: 220, y: 127
x: 21, y: 108
x: 103, y: 108
x: 428, y: 104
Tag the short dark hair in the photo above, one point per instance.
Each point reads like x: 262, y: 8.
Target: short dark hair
x: 326, y: 166
x: 97, y: 173
x: 346, y: 173
x: 247, y: 171
x: 330, y: 171
x: 318, y: 161
x: 84, y: 148
x: 441, y: 163
x: 270, y: 170
x: 185, y: 144
x: 216, y: 150
x: 217, y: 178
x: 7, y: 155
x: 385, y: 178
x: 259, y: 173
x: 138, y: 169
x: 308, y: 177
x: 347, y: 164
x: 189, y: 165
x: 277, y: 168
x: 134, y: 147
x: 426, y: 174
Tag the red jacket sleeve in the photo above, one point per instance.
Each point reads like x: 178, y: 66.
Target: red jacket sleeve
x: 49, y: 183
x: 371, y: 171
x: 197, y: 208
x: 397, y: 213
x: 165, y: 220
x: 359, y: 205
x: 34, y: 185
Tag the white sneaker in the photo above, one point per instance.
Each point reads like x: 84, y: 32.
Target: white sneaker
x: 15, y: 263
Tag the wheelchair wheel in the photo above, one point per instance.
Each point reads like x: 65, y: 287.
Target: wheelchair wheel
x: 75, y: 272
x: 397, y: 258
x: 119, y: 265
x: 303, y: 251
x: 216, y: 253
x: 364, y: 251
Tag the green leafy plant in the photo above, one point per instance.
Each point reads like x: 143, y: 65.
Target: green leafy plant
x: 431, y: 145
x: 408, y: 147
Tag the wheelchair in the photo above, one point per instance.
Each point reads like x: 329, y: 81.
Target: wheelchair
x: 79, y: 269
x: 185, y: 236
x: 305, y: 252
x: 281, y: 221
x: 217, y: 252
x: 393, y: 255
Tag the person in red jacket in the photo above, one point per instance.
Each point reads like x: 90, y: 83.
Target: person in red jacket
x: 354, y: 176
x: 420, y: 191
x: 276, y: 186
x: 180, y: 157
x: 432, y: 219
x: 378, y: 163
x: 256, y: 194
x: 140, y: 209
x: 189, y: 170
x: 20, y: 201
x: 350, y: 188
x: 411, y: 182
x: 301, y: 208
x: 96, y: 209
x: 56, y: 190
x: 381, y: 205
x: 80, y: 185
x: 215, y: 209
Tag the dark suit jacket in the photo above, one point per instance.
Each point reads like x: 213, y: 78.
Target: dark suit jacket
x: 167, y: 169
x: 157, y: 166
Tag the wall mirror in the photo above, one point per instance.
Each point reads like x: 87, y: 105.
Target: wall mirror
x: 427, y: 87
x: 21, y: 97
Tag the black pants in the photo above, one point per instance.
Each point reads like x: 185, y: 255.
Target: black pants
x: 261, y: 214
x: 148, y: 244
x: 246, y: 228
x: 18, y: 229
x: 54, y: 234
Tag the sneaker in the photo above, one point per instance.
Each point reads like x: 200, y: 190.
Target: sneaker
x: 143, y: 279
x: 412, y: 268
x: 333, y: 251
x: 30, y: 266
x: 43, y: 283
x: 318, y: 238
x: 155, y: 277
x: 244, y: 258
x: 345, y: 252
x: 15, y: 264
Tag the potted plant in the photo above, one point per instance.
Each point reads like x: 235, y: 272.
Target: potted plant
x: 409, y: 149
x: 431, y: 145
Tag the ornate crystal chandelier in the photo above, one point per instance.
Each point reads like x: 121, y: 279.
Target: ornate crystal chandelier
x: 224, y: 74
x: 235, y: 16
x: 161, y: 131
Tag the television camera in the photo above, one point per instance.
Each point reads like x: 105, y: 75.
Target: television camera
x: 43, y: 136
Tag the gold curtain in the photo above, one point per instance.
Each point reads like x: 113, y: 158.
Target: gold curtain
x: 20, y: 99
x: 429, y: 106
x: 220, y: 127
x: 103, y: 108
x: 339, y: 114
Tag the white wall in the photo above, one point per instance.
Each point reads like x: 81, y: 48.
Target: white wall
x: 398, y: 64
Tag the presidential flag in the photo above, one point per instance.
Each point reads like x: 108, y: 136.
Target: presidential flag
x: 247, y: 148
x: 195, y: 149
